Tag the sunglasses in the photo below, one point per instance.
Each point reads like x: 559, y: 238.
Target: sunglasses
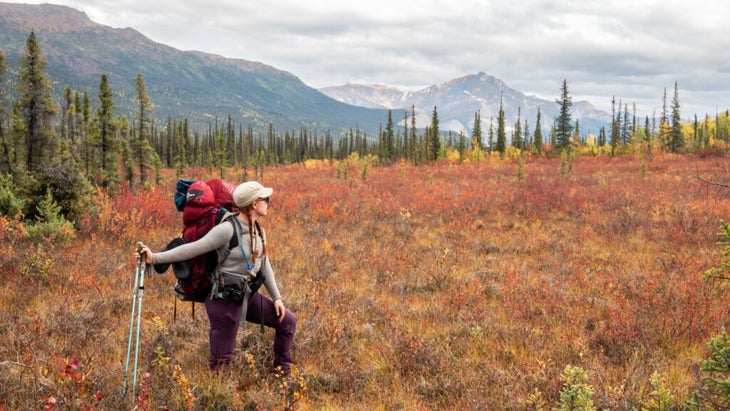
x: 266, y: 200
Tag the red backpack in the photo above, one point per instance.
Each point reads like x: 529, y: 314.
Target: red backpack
x: 203, y: 205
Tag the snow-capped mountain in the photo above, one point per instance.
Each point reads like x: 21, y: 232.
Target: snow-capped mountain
x: 457, y: 101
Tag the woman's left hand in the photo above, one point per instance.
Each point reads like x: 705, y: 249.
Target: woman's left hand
x: 280, y: 309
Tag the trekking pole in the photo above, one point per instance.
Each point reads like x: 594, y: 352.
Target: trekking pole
x: 137, y: 295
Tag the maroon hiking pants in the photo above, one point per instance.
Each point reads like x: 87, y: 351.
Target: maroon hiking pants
x: 225, y: 317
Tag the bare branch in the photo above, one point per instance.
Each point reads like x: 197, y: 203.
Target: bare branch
x: 710, y: 183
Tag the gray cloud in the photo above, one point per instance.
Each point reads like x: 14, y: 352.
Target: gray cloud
x: 631, y: 50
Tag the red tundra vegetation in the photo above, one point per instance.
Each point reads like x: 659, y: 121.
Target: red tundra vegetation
x: 445, y: 286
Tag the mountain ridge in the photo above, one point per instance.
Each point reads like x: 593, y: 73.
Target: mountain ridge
x: 194, y: 85
x: 206, y: 88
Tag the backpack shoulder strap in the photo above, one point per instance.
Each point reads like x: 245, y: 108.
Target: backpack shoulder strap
x: 224, y: 251
x: 236, y: 227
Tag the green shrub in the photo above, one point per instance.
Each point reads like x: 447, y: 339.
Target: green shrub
x: 722, y: 271
x: 50, y: 223
x: 716, y: 383
x: 715, y: 386
x: 576, y: 395
x: 10, y: 204
x: 70, y: 190
x: 661, y: 398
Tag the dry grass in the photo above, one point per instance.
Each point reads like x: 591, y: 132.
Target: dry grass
x: 435, y: 287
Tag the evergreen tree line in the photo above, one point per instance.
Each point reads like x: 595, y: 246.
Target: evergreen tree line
x: 87, y: 147
x: 628, y: 133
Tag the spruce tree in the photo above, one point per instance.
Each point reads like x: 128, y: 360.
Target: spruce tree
x: 490, y: 143
x: 626, y: 127
x: 477, y: 131
x: 69, y: 119
x: 389, y: 150
x: 220, y: 153
x: 615, y: 125
x: 36, y: 108
x: 564, y: 125
x: 647, y: 131
x: 68, y: 112
x: 664, y: 122
x: 106, y: 139
x: 142, y: 146
x: 85, y: 122
x: 78, y: 132
x: 601, y: 137
x: 676, y: 139
x: 406, y: 138
x: 415, y: 157
x: 49, y: 168
x: 501, y: 144
x: 461, y: 145
x: 7, y: 148
x: 435, y: 144
x: 517, y: 141
x: 537, y: 141
x: 231, y: 142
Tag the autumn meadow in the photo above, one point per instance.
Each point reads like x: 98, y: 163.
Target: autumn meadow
x: 508, y: 284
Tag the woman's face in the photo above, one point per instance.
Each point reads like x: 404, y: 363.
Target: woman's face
x: 261, y: 206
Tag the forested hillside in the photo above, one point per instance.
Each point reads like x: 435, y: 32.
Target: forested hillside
x: 199, y: 87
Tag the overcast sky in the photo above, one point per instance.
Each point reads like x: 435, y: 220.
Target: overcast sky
x: 630, y: 49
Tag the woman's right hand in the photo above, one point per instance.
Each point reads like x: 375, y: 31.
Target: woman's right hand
x: 146, y: 252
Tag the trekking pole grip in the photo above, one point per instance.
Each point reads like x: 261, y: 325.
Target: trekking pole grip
x: 141, y: 262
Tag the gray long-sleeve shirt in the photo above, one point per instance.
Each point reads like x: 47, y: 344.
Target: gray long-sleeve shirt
x: 218, y: 237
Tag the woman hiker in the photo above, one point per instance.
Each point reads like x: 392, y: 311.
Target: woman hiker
x: 252, y: 200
